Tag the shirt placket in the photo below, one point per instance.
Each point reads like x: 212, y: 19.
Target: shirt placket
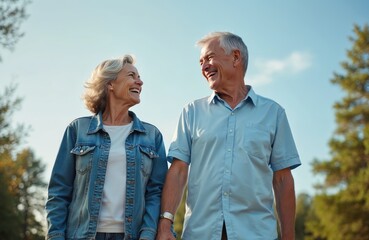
x: 226, y: 190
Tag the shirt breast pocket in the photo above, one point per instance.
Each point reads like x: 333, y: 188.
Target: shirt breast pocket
x: 256, y: 140
x: 147, y: 156
x: 83, y: 155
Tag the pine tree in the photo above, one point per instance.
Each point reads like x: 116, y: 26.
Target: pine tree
x: 342, y: 208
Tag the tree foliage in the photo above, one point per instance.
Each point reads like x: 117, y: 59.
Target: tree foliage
x: 303, y: 206
x: 342, y: 207
x: 12, y: 14
x: 22, y: 195
x: 30, y: 193
x: 22, y: 192
x: 9, y: 138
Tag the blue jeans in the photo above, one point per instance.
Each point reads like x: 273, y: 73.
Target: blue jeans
x: 109, y: 236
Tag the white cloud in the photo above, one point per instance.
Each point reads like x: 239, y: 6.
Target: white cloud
x: 266, y: 70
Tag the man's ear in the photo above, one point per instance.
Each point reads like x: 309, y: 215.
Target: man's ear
x: 236, y: 57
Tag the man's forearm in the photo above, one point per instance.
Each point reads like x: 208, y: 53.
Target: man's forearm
x: 175, y: 183
x: 286, y: 205
x: 174, y: 186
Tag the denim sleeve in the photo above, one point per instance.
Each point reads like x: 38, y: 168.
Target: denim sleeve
x: 153, y: 190
x: 60, y: 187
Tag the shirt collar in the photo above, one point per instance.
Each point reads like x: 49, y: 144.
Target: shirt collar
x: 250, y: 97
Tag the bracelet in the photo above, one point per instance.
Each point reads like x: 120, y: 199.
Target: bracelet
x: 167, y: 215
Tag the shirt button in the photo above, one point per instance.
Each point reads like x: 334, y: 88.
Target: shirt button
x: 226, y: 171
x: 225, y: 194
x: 231, y: 130
x: 228, y: 149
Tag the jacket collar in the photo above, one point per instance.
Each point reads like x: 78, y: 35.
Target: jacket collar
x: 96, y: 123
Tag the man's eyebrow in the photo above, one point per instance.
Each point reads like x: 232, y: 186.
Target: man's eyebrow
x: 206, y: 55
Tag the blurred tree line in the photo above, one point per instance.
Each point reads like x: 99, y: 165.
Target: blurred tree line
x: 22, y: 195
x: 22, y: 191
x: 340, y: 209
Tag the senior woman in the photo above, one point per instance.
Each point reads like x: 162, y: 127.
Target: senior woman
x: 108, y: 175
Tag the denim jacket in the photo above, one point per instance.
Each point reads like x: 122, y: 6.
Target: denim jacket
x: 77, y: 180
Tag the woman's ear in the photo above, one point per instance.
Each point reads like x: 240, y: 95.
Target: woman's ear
x: 110, y: 86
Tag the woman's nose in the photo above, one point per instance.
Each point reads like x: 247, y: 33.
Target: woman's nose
x: 139, y: 82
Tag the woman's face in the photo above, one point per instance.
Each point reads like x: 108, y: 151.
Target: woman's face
x: 126, y: 89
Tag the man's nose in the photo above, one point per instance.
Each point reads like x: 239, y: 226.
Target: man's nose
x: 205, y: 67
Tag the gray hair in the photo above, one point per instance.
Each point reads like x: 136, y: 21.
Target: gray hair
x: 95, y: 96
x: 229, y: 42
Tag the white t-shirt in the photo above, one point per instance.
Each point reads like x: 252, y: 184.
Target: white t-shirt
x: 111, y: 218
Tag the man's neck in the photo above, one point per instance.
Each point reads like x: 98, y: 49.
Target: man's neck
x: 233, y: 96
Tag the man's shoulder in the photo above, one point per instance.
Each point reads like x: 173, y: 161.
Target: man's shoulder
x: 201, y: 100
x: 263, y: 101
x: 198, y: 102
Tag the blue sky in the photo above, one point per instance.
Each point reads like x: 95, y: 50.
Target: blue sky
x: 294, y: 47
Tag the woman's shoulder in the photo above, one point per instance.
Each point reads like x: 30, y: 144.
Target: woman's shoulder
x: 150, y: 126
x: 82, y: 119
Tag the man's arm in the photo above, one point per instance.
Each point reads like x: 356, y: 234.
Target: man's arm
x: 175, y: 183
x: 284, y: 192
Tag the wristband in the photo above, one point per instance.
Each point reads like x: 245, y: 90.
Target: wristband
x: 167, y: 215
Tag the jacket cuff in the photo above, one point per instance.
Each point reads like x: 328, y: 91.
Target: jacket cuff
x: 147, y: 234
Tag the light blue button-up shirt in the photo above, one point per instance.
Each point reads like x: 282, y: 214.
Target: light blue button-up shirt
x: 232, y: 155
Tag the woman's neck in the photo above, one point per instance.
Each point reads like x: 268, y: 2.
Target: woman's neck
x: 114, y: 117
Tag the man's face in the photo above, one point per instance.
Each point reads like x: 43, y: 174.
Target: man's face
x: 216, y: 65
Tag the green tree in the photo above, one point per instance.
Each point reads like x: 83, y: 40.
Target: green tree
x: 303, y: 203
x: 12, y: 14
x: 21, y: 197
x: 30, y: 194
x: 342, y: 207
x: 9, y: 139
